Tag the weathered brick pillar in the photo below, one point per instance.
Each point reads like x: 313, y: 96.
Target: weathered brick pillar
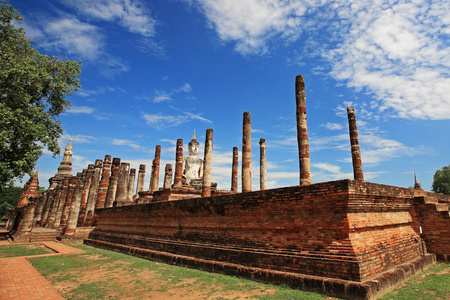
x: 40, y: 209
x: 140, y: 181
x: 154, y: 180
x: 168, y: 177
x: 104, y: 181
x: 47, y: 206
x: 122, y: 184
x: 262, y: 165
x: 131, y: 181
x: 85, y: 194
x: 54, y: 206
x: 178, y: 164
x: 246, y: 154
x: 356, y: 155
x: 27, y: 222
x: 207, y: 164
x: 302, y: 132
x: 69, y: 199
x: 62, y: 202
x: 74, y: 211
x: 112, y: 187
x: 234, y: 170
x: 93, y: 193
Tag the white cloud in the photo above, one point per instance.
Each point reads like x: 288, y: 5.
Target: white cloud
x: 132, y: 15
x: 333, y: 126
x: 160, y: 121
x: 125, y: 143
x: 162, y: 96
x: 81, y: 110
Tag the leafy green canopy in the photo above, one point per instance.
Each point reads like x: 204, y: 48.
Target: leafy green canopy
x: 441, y: 181
x: 33, y: 88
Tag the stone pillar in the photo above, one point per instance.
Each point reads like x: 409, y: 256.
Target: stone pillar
x: 31, y: 189
x: 40, y: 209
x: 178, y: 164
x: 302, y: 132
x: 103, y: 185
x: 122, y: 184
x: 85, y: 194
x: 262, y: 165
x: 47, y: 206
x: 140, y: 181
x: 62, y: 203
x: 93, y: 194
x: 246, y: 154
x: 207, y: 164
x: 154, y: 180
x: 356, y: 155
x: 234, y: 170
x: 69, y: 199
x: 112, y: 187
x: 53, y: 209
x: 74, y: 211
x: 168, y: 177
x: 131, y: 181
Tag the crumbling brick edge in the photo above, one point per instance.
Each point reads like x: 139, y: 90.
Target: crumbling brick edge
x: 371, y: 289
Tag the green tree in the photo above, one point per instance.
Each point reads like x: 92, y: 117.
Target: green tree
x: 33, y: 88
x: 441, y: 181
x: 9, y: 198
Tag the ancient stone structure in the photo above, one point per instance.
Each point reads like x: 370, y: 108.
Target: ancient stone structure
x: 140, y: 181
x: 131, y: 186
x: 246, y: 154
x: 262, y: 165
x: 122, y: 184
x: 104, y: 182
x: 167, y: 177
x: 154, y: 180
x: 112, y: 187
x: 346, y: 238
x: 302, y: 132
x: 356, y: 155
x: 178, y: 181
x: 65, y: 168
x: 31, y: 189
x: 207, y: 172
x: 93, y: 193
x: 192, y: 165
x: 234, y: 170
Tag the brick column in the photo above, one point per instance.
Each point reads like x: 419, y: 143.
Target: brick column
x: 168, y: 177
x: 93, y: 193
x: 207, y: 164
x: 112, y: 186
x: 74, y: 211
x: 62, y: 203
x: 302, y: 132
x: 85, y: 194
x: 69, y: 199
x: 154, y: 180
x: 234, y: 170
x: 131, y: 182
x: 104, y: 181
x: 262, y: 165
x: 122, y: 184
x: 356, y: 155
x: 140, y: 181
x: 178, y: 164
x: 246, y: 154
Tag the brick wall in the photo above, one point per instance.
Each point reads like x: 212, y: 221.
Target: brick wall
x: 342, y: 229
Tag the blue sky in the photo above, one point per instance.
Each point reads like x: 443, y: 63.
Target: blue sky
x: 155, y: 71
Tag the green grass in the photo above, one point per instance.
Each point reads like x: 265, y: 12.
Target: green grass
x: 24, y: 250
x: 434, y: 283
x: 103, y: 274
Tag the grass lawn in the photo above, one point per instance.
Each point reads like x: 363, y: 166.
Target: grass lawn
x: 24, y: 250
x: 103, y: 274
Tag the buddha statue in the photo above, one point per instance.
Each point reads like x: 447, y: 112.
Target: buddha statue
x: 192, y: 165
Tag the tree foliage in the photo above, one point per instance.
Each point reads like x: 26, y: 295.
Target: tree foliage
x: 8, y: 199
x: 441, y: 181
x: 33, y: 88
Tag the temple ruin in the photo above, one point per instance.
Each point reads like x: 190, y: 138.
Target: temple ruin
x: 347, y: 238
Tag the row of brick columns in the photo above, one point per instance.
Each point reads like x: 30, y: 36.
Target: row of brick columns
x: 71, y: 201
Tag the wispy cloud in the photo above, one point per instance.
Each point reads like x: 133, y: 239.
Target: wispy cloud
x: 125, y: 143
x: 81, y: 110
x: 333, y: 126
x: 160, y: 121
x: 132, y: 15
x: 166, y: 96
x: 396, y: 51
